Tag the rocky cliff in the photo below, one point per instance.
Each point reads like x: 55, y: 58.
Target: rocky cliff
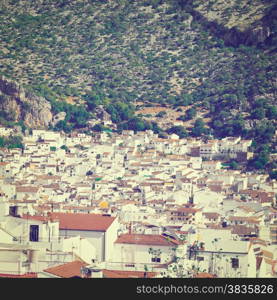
x: 114, y: 53
x: 20, y: 104
x: 242, y: 22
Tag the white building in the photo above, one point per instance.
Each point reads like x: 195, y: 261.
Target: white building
x: 217, y: 254
x: 144, y: 250
x: 99, y: 230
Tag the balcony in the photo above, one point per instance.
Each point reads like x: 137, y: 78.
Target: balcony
x: 25, y: 264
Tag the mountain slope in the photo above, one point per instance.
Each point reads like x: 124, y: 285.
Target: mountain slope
x: 154, y: 51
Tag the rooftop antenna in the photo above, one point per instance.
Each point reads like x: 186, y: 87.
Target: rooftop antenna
x: 191, y: 197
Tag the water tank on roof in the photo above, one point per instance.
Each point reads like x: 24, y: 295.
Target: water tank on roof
x: 224, y: 224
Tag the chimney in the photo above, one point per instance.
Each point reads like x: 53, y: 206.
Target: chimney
x: 92, y: 271
x: 85, y: 272
x: 96, y: 273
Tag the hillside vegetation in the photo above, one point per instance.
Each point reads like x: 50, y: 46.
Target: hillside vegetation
x: 166, y: 52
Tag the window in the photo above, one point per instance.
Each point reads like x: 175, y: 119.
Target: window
x: 235, y: 263
x: 156, y: 259
x: 13, y: 211
x: 34, y: 230
x: 200, y: 258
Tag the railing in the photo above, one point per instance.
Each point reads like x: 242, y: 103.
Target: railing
x: 25, y: 264
x: 131, y: 266
x: 26, y: 239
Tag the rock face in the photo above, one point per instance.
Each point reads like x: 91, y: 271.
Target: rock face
x: 19, y: 104
x: 249, y: 23
x: 58, y: 117
x: 102, y: 114
x: 250, y: 37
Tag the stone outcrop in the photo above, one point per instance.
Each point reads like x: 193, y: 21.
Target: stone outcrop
x: 252, y: 36
x: 102, y: 114
x: 19, y: 104
x: 58, y: 117
x: 226, y: 20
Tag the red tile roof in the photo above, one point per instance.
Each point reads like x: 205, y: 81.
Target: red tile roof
x: 27, y: 275
x: 253, y: 220
x: 27, y: 189
x: 204, y: 275
x: 67, y: 270
x: 72, y: 221
x: 127, y: 274
x: 243, y: 230
x: 146, y: 239
x: 93, y: 222
x: 187, y: 210
x: 211, y: 215
x: 36, y: 218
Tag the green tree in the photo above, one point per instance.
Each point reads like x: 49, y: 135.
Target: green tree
x: 260, y: 161
x: 138, y: 124
x: 120, y: 111
x: 234, y: 165
x: 273, y: 174
x: 271, y: 112
x: 258, y: 113
x: 98, y: 127
x: 62, y: 125
x: 161, y: 114
x: 11, y: 142
x: 64, y: 147
x: 179, y: 130
x: 199, y: 128
x: 190, y: 113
